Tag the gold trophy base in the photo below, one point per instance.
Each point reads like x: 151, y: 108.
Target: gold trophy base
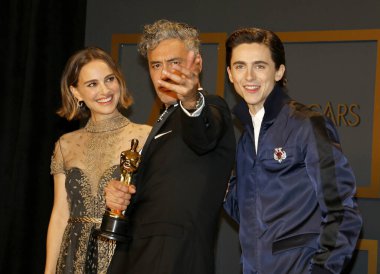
x: 114, y: 229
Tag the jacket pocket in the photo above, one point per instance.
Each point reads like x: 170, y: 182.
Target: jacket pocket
x: 296, y: 241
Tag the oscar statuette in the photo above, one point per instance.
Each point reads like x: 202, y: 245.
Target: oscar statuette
x: 115, y: 222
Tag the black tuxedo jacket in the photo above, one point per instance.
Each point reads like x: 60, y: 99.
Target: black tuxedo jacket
x: 186, y: 164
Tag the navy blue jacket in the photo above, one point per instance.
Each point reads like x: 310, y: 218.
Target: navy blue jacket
x: 293, y: 198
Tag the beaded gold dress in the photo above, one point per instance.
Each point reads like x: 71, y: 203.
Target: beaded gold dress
x: 89, y: 158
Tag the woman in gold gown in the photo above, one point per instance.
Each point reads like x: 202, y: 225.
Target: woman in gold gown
x: 86, y: 159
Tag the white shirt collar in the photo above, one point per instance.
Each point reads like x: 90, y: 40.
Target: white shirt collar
x: 257, y: 119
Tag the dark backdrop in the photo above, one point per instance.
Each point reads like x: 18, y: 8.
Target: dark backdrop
x: 37, y: 37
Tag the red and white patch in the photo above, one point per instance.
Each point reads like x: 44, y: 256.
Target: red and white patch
x: 279, y: 154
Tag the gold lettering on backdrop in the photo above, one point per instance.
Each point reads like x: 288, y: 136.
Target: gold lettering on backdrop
x: 356, y: 116
x: 341, y: 114
x: 329, y: 112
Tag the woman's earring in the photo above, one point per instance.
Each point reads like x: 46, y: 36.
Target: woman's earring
x: 80, y: 104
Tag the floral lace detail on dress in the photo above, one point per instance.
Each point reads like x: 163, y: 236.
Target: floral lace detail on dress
x: 111, y: 124
x: 56, y: 165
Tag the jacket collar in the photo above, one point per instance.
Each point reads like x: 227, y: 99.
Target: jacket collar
x: 272, y: 105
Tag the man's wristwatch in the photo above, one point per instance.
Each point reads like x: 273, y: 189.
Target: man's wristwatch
x: 198, y: 104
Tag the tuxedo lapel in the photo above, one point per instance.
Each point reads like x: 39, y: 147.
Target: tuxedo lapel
x: 156, y: 127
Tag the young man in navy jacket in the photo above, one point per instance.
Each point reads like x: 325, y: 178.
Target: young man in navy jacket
x: 293, y: 191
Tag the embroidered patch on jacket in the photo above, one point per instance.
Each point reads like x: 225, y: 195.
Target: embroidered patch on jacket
x: 279, y: 154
